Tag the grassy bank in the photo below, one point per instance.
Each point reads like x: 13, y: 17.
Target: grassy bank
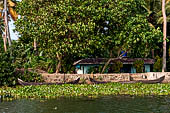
x: 68, y: 90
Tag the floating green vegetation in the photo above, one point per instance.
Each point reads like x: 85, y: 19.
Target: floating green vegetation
x: 69, y: 90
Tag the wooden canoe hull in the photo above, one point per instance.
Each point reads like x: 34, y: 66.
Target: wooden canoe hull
x: 21, y: 82
x: 93, y: 81
x: 159, y: 80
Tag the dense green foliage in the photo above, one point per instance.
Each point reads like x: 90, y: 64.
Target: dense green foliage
x: 67, y: 90
x: 79, y: 29
x: 68, y: 30
x: 7, y: 70
x: 10, y: 63
x: 9, y: 74
x: 154, y: 9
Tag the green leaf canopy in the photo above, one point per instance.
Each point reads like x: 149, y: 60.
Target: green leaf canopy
x: 82, y: 27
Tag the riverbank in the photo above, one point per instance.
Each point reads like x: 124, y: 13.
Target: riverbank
x: 69, y: 90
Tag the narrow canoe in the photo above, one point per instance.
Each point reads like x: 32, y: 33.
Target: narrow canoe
x: 21, y: 82
x: 158, y: 80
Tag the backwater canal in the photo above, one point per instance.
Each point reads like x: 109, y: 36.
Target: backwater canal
x: 105, y: 104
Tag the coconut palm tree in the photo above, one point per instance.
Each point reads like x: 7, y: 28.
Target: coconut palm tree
x: 157, y: 15
x: 6, y: 10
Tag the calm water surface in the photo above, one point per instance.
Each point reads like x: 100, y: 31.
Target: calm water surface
x: 107, y: 104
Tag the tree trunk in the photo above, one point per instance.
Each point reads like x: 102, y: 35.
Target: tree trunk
x: 58, y: 67
x: 153, y: 54
x: 118, y: 52
x: 59, y: 63
x: 7, y: 36
x: 35, y: 45
x: 164, y: 36
x: 107, y: 63
x: 4, y: 39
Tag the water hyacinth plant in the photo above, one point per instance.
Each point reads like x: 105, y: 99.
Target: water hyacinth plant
x: 93, y: 90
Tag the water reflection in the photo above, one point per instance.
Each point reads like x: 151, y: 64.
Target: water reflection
x: 107, y: 104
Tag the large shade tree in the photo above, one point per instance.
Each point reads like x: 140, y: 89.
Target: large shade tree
x: 65, y: 28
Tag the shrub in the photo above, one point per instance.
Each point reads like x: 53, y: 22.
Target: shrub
x: 8, y: 65
x: 116, y: 67
x: 7, y: 70
x: 95, y: 69
x: 139, y: 64
x: 157, y: 67
x: 29, y: 76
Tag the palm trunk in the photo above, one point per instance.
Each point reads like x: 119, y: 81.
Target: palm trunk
x: 164, y: 36
x: 6, y: 24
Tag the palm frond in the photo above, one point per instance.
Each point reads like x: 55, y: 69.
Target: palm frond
x: 167, y: 1
x: 0, y: 15
x: 160, y: 20
x: 167, y: 9
x: 1, y: 5
x: 151, y: 25
x: 147, y: 9
x: 13, y: 13
x: 10, y: 3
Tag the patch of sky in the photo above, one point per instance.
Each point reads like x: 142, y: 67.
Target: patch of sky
x: 14, y: 35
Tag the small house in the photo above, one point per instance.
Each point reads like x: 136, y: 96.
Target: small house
x: 83, y: 65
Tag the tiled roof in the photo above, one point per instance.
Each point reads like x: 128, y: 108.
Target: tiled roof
x: 104, y: 60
